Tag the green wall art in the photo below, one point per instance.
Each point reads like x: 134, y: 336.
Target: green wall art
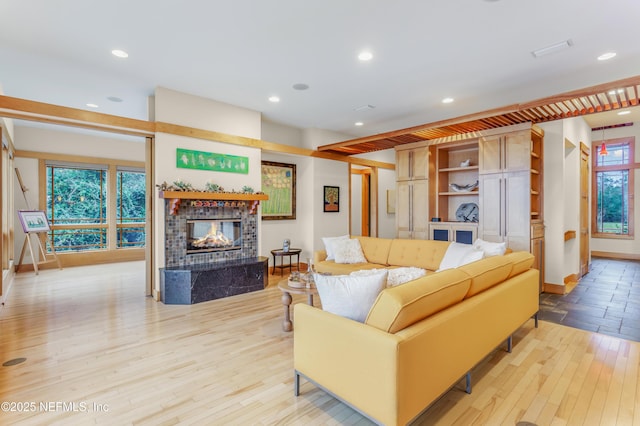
x: 200, y: 160
x: 279, y: 183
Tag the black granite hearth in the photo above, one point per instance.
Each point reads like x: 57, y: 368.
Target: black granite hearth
x: 189, y: 284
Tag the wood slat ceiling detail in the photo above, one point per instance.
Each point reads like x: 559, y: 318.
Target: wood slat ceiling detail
x: 605, y: 97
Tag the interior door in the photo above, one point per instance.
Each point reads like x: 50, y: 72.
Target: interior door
x: 584, y: 209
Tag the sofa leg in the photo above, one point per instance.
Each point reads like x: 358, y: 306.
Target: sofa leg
x: 296, y: 383
x: 468, y: 380
x: 535, y: 319
x: 509, y: 343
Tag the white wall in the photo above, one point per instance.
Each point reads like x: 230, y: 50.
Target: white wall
x: 329, y: 173
x: 562, y: 196
x: 182, y: 109
x: 68, y: 141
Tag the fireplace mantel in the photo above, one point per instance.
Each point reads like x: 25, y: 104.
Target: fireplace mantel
x: 176, y: 197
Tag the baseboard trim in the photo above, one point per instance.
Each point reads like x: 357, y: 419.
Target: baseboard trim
x: 554, y: 288
x: 613, y: 255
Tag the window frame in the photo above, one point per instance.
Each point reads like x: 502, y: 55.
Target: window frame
x: 630, y: 167
x: 112, y: 167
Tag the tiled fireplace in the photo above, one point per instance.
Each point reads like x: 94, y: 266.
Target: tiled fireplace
x: 194, y: 217
x: 210, y: 250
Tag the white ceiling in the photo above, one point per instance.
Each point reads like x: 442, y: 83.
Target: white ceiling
x: 243, y: 51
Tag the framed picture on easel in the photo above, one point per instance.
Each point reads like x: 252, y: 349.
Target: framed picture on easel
x: 33, y: 221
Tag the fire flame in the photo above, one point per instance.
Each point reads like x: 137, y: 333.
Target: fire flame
x: 214, y: 238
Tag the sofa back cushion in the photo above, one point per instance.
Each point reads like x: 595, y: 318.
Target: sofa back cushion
x: 425, y: 254
x: 399, y: 307
x: 521, y: 261
x: 486, y: 273
x: 376, y: 250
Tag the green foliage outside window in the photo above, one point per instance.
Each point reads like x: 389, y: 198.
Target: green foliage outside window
x: 79, y: 196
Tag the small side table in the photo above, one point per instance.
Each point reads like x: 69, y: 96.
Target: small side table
x: 279, y: 253
x: 283, y: 285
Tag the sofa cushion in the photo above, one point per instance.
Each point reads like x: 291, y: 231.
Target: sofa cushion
x: 328, y: 244
x: 350, y: 296
x: 425, y: 254
x: 376, y: 250
x: 348, y: 251
x: 486, y: 273
x: 521, y: 261
x: 399, y: 307
x: 331, y: 267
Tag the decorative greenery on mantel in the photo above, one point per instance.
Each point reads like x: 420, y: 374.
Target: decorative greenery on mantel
x: 180, y: 190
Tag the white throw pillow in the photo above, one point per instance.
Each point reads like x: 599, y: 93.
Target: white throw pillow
x: 399, y: 276
x: 348, y: 295
x: 328, y: 244
x: 489, y: 248
x: 348, y: 251
x: 459, y: 254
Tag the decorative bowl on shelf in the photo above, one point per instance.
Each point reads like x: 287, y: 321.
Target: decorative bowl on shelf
x: 464, y: 188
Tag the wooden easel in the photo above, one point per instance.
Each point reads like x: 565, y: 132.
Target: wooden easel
x: 39, y: 237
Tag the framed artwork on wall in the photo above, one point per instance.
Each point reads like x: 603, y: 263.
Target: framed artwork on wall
x: 331, y: 199
x: 391, y: 201
x: 279, y: 183
x: 33, y: 221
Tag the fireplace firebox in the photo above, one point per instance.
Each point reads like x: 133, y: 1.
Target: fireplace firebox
x: 209, y: 235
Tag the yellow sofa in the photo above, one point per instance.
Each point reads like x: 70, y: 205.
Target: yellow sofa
x: 386, y: 253
x: 419, y: 338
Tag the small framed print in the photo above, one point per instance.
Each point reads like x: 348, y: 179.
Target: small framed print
x: 331, y: 199
x: 33, y: 221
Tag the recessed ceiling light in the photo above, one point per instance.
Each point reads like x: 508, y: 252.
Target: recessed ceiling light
x: 119, y: 53
x: 607, y: 56
x: 114, y: 99
x: 274, y: 99
x: 552, y: 49
x: 359, y: 123
x: 447, y: 100
x: 365, y: 56
x: 300, y: 86
x: 624, y: 112
x: 92, y: 105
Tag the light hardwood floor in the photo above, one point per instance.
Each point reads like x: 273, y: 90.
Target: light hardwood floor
x: 91, y: 337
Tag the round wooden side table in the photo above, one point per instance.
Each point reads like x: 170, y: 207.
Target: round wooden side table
x: 279, y: 253
x: 287, y: 291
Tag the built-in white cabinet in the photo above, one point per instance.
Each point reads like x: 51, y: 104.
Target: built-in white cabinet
x: 412, y: 164
x: 510, y: 187
x: 504, y: 209
x: 505, y: 153
x: 460, y: 232
x: 412, y: 192
x: 412, y: 210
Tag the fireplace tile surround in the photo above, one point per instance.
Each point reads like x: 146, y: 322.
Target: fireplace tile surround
x: 189, y: 278
x: 176, y: 233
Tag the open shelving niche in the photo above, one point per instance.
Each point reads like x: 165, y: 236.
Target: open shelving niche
x: 447, y: 169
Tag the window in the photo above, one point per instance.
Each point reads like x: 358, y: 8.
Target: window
x: 130, y: 208
x: 613, y: 189
x: 78, y: 207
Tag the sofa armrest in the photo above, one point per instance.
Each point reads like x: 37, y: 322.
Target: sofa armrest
x: 354, y: 361
x: 319, y: 256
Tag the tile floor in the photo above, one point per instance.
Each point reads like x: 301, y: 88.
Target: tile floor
x: 606, y: 300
